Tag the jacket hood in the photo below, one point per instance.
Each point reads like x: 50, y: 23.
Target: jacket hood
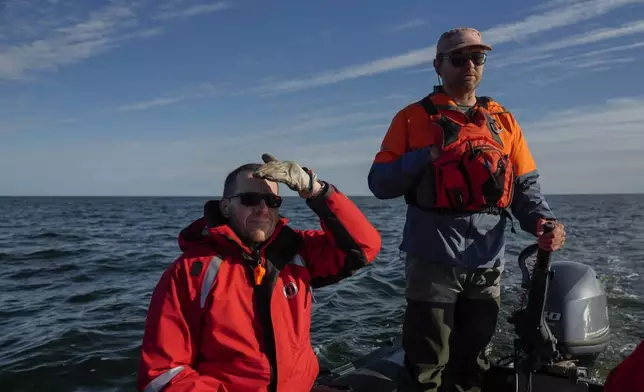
x: 213, y: 226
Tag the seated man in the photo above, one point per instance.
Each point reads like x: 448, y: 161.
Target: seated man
x: 233, y: 312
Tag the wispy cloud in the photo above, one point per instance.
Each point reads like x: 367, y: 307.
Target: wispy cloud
x: 194, y: 92
x: 591, y: 143
x: 147, y: 33
x: 366, y: 104
x: 567, y: 14
x: 597, y: 35
x: 602, y: 123
x: 176, y: 9
x: 144, y: 105
x: 409, y: 59
x: 573, y: 62
x: 58, y: 45
x: 288, y: 133
x: 545, y: 55
x: 550, y: 4
x: 612, y: 49
x: 44, y: 35
x: 410, y: 24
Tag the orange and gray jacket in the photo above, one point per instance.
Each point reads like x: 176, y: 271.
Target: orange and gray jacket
x: 463, y: 239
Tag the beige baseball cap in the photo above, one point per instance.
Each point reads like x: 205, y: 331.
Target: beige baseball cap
x: 459, y: 38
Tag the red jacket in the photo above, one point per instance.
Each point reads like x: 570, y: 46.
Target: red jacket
x: 209, y: 328
x: 628, y: 376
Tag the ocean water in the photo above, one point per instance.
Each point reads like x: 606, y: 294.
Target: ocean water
x: 78, y: 274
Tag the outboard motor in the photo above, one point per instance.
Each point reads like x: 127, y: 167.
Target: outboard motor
x: 577, y: 312
x: 564, y: 326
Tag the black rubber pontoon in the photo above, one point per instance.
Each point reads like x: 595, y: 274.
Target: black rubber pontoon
x: 383, y: 371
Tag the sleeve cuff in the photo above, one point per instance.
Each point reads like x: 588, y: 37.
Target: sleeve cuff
x: 325, y: 193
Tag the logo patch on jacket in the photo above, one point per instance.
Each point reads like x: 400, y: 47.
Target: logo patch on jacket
x: 290, y: 290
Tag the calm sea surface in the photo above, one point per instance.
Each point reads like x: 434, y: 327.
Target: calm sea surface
x: 78, y: 274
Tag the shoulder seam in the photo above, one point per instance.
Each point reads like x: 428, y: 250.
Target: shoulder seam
x: 497, y: 105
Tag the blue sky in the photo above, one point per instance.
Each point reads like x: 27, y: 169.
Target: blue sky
x: 164, y: 97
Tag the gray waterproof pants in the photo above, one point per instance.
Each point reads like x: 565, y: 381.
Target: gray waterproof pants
x: 450, y: 318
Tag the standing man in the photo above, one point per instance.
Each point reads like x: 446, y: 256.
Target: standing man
x: 461, y: 163
x: 233, y: 312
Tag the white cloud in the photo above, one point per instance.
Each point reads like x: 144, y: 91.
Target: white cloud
x: 148, y: 33
x: 60, y: 45
x: 550, y: 4
x: 544, y: 51
x: 44, y: 35
x: 334, y: 109
x: 567, y: 14
x: 304, y: 130
x: 410, y: 24
x: 409, y: 59
x: 612, y: 118
x: 597, y: 35
x: 176, y: 9
x: 574, y: 63
x: 612, y: 49
x: 143, y: 105
x: 206, y: 9
x: 590, y: 149
x: 187, y: 93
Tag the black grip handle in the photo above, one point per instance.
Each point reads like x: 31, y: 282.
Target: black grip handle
x: 543, y: 256
x: 548, y: 227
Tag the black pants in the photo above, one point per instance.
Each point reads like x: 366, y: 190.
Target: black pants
x: 445, y: 341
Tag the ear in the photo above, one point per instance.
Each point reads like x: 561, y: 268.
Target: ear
x: 224, y: 207
x: 436, y: 67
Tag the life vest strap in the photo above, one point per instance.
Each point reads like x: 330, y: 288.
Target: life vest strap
x: 429, y: 106
x: 451, y: 129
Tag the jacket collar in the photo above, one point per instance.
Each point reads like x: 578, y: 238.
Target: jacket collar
x: 443, y: 101
x: 219, y: 229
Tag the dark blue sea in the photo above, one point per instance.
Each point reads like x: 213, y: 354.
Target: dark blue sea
x: 77, y: 275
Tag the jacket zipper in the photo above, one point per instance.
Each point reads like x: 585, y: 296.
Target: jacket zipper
x: 266, y: 284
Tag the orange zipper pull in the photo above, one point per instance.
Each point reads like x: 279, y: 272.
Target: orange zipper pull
x: 260, y: 271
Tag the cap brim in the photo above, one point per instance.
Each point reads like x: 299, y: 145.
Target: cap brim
x: 468, y: 45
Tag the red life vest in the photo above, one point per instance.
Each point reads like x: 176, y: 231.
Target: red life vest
x: 473, y: 172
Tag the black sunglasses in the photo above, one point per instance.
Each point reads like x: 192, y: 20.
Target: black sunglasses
x: 460, y: 60
x: 252, y: 199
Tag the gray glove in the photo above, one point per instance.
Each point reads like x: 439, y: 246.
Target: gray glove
x: 287, y: 172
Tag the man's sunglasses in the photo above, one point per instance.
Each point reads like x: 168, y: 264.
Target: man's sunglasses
x: 253, y: 199
x: 460, y: 60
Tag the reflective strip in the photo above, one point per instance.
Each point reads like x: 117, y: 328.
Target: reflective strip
x: 209, y: 279
x: 161, y: 381
x: 297, y: 260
